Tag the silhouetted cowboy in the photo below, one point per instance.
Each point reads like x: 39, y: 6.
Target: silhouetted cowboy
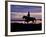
x: 28, y: 14
x: 28, y: 18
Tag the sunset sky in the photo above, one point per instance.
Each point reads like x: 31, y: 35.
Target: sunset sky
x: 20, y: 8
x: 18, y: 11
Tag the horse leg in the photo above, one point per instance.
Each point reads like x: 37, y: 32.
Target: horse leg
x: 27, y: 22
x: 33, y: 21
x: 24, y: 22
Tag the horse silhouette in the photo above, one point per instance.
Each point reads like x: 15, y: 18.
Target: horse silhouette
x: 28, y: 19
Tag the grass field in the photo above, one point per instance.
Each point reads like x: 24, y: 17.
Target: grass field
x: 15, y: 27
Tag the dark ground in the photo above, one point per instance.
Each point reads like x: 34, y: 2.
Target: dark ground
x: 25, y: 27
